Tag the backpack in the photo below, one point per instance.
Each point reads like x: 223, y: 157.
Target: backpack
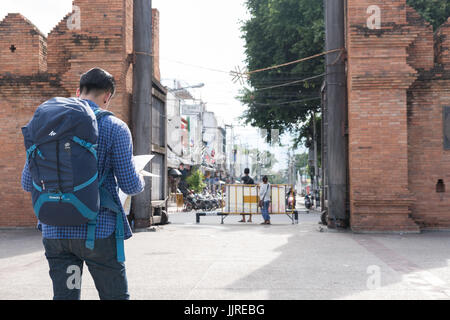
x: 61, y: 148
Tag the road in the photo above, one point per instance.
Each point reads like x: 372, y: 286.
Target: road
x: 185, y: 260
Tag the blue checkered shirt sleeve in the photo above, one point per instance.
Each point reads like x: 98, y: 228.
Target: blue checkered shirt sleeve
x: 26, y: 179
x: 128, y: 180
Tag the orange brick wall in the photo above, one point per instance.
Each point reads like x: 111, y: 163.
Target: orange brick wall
x: 41, y: 68
x: 103, y: 41
x: 442, y: 40
x: 15, y: 112
x: 395, y: 120
x: 30, y: 46
x: 428, y: 161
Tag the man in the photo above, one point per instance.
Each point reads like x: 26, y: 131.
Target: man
x: 264, y: 199
x: 65, y: 248
x: 184, y: 172
x: 246, y: 179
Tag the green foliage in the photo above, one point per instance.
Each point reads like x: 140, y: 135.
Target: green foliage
x: 259, y: 159
x: 280, y: 31
x: 279, y: 177
x: 196, y: 181
x: 434, y: 11
x: 301, y: 162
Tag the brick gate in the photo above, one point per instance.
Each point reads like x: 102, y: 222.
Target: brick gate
x: 398, y: 121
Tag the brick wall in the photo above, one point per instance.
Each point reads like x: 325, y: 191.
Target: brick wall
x: 102, y: 41
x: 428, y: 161
x: 21, y: 41
x: 394, y: 96
x: 39, y: 68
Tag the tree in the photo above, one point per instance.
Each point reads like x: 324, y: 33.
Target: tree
x: 279, y: 177
x: 435, y: 12
x: 301, y: 162
x: 280, y: 31
x: 277, y: 32
x: 195, y: 181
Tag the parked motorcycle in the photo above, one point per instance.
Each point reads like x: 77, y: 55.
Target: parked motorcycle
x: 201, y: 201
x: 190, y: 202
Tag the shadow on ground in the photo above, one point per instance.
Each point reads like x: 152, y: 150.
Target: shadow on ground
x: 309, y: 263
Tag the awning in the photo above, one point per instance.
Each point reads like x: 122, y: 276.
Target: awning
x: 175, y: 173
x: 174, y: 161
x: 207, y: 168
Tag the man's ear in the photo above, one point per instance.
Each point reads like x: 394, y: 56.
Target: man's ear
x: 107, y: 97
x: 78, y: 93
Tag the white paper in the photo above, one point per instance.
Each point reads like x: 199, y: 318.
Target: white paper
x: 140, y: 162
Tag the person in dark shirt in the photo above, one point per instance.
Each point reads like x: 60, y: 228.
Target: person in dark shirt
x: 246, y: 179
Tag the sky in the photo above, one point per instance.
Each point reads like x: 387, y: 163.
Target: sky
x: 200, y: 42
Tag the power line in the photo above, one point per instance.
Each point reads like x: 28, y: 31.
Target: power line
x: 293, y: 62
x: 291, y: 83
x: 195, y: 66
x: 287, y: 102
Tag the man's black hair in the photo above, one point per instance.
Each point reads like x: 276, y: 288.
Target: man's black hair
x: 97, y: 80
x: 265, y: 178
x: 246, y: 170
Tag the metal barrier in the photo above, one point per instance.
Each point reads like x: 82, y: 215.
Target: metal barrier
x: 244, y: 199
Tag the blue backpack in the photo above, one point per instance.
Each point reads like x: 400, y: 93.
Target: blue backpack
x: 61, y: 146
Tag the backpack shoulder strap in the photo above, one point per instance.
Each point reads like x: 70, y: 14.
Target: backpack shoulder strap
x: 100, y: 113
x: 107, y: 201
x: 268, y: 186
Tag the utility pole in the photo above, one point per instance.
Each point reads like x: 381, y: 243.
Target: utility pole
x: 142, y: 103
x: 336, y: 114
x: 316, y: 169
x: 234, y: 155
x: 323, y: 140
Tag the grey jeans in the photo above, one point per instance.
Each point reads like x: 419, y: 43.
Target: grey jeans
x: 66, y: 258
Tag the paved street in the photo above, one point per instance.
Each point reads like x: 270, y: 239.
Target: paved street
x: 184, y: 260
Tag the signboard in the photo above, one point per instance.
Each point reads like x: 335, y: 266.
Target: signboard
x: 446, y: 119
x: 191, y: 109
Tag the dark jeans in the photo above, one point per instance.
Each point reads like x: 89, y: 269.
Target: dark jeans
x: 65, y: 258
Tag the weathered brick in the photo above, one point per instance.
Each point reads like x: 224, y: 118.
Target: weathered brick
x: 37, y: 68
x: 396, y: 94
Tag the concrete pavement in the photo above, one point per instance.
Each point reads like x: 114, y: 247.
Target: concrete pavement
x: 184, y: 260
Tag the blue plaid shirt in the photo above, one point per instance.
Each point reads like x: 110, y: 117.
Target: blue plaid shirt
x: 115, y: 153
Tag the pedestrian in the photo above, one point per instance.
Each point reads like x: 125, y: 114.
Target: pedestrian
x: 246, y: 179
x: 66, y: 247
x: 264, y: 199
